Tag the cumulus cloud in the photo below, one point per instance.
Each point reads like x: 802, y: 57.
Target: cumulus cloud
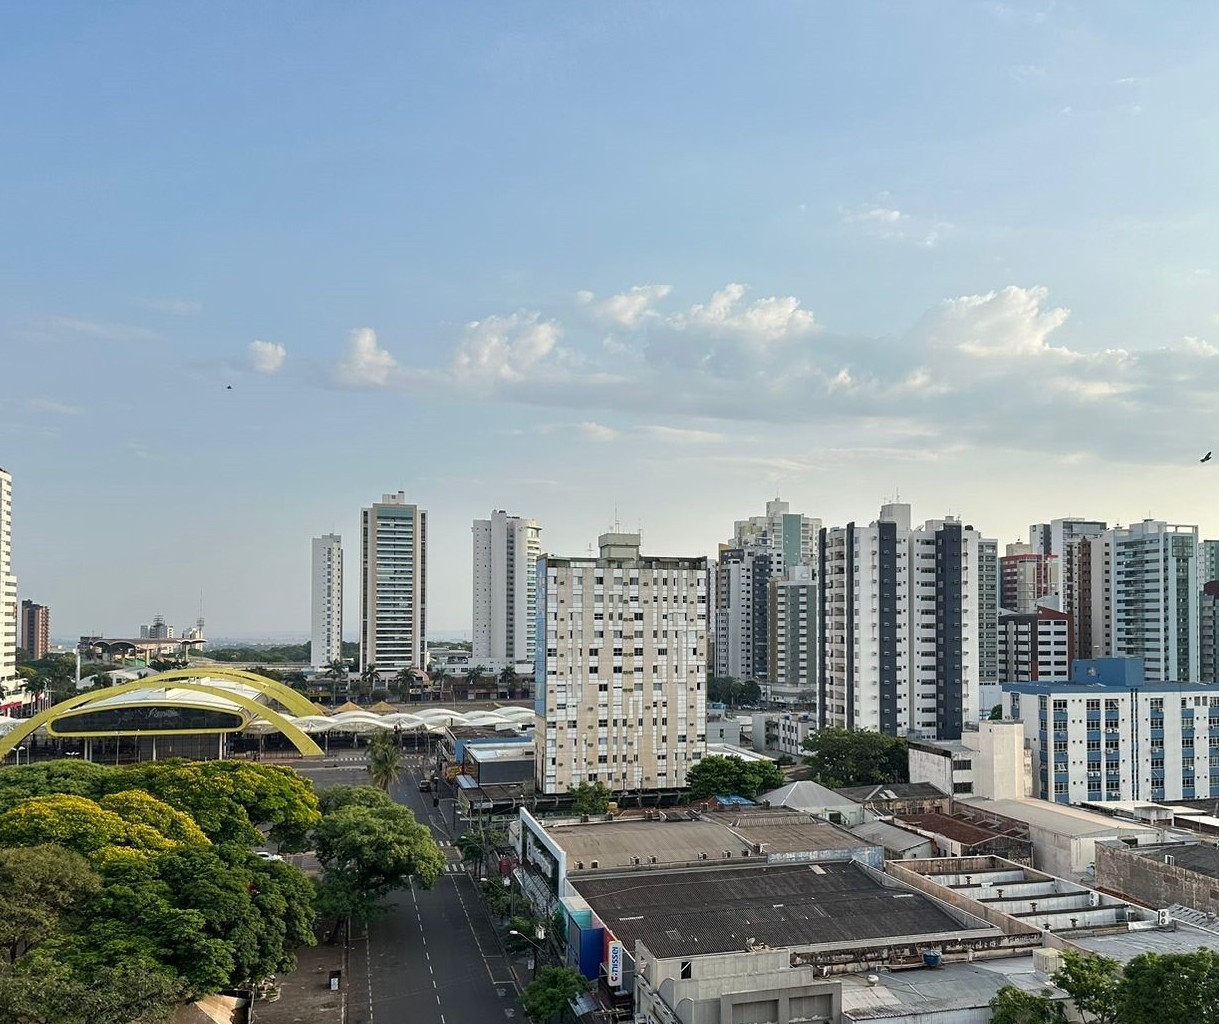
x: 629, y: 307
x: 367, y: 364
x: 1000, y: 368
x: 267, y: 356
x: 506, y: 348
x: 591, y: 431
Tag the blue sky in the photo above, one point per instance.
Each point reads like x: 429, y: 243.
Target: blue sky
x: 652, y: 262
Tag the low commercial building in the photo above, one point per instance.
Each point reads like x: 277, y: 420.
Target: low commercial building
x: 989, y: 760
x: 1173, y: 874
x: 968, y: 832
x: 1064, y: 838
x: 899, y: 797
x: 897, y: 842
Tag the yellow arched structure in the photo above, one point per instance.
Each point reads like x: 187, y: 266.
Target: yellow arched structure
x: 300, y: 740
x: 283, y: 694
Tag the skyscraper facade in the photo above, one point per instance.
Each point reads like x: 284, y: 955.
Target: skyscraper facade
x: 35, y: 637
x: 763, y: 548
x: 506, y: 550
x: 326, y: 601
x: 900, y: 625
x: 1025, y: 578
x: 794, y: 641
x: 8, y: 587
x: 621, y: 669
x: 393, y: 584
x: 1154, y: 598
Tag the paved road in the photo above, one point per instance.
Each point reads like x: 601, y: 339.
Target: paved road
x: 433, y: 958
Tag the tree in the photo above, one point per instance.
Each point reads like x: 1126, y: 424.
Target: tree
x: 476, y: 675
x: 996, y: 713
x: 732, y: 776
x: 43, y: 990
x: 1170, y: 988
x: 78, y: 823
x: 404, y: 681
x: 551, y: 992
x: 590, y: 798
x: 40, y: 887
x: 1011, y: 1005
x: 369, y: 678
x: 478, y: 844
x: 369, y: 846
x: 1093, y: 983
x: 439, y: 675
x: 507, y: 678
x: 846, y: 757
x: 385, y: 761
x: 336, y: 672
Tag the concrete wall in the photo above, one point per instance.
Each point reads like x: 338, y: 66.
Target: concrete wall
x: 1153, y: 882
x: 1001, y: 769
x: 928, y: 766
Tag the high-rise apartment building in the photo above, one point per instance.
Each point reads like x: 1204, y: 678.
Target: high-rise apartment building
x: 763, y: 548
x: 506, y: 550
x: 393, y: 584
x: 326, y: 601
x: 35, y: 637
x: 1077, y: 545
x: 900, y: 626
x: 1026, y: 577
x: 8, y: 587
x: 621, y: 670
x: 988, y: 610
x: 794, y: 640
x: 159, y: 629
x: 1034, y: 646
x: 1139, y: 740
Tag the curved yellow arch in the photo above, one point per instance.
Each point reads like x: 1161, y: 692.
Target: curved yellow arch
x: 300, y: 740
x: 295, y: 702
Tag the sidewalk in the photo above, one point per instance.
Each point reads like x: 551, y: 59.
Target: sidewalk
x: 305, y: 994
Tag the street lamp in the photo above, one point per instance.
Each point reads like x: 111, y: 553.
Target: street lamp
x: 18, y: 752
x: 537, y: 948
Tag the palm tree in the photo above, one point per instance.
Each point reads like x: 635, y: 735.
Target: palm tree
x: 507, y: 679
x: 384, y: 761
x: 439, y: 674
x: 405, y: 680
x: 336, y: 671
x: 476, y: 675
x: 370, y: 678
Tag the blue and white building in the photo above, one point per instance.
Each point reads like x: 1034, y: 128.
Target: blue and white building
x: 1108, y: 734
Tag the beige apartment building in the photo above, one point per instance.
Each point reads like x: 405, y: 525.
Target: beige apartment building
x: 621, y: 673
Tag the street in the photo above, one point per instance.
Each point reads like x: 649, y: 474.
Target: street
x: 433, y: 958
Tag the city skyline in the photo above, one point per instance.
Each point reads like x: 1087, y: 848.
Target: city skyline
x: 841, y: 254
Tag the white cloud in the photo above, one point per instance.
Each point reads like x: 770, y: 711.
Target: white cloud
x: 367, y: 364
x: 761, y: 322
x: 267, y: 356
x: 1000, y: 325
x: 629, y: 307
x: 888, y: 223
x: 591, y: 431
x: 506, y: 348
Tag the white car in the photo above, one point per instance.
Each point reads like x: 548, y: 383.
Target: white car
x: 267, y: 855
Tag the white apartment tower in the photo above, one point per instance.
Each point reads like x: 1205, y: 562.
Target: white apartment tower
x: 901, y: 625
x: 1154, y: 598
x: 506, y: 550
x: 8, y: 588
x: 326, y: 625
x: 393, y: 584
x: 621, y: 676
x: 1078, y: 546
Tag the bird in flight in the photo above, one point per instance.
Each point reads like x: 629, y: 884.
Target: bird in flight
x: 229, y: 387
x: 1206, y: 457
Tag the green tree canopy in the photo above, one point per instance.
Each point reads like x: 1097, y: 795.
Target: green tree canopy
x: 370, y: 846
x: 40, y: 888
x: 551, y: 992
x: 1170, y: 988
x: 79, y: 824
x: 591, y: 798
x: 732, y: 776
x: 1012, y: 1005
x: 1093, y: 983
x: 856, y: 757
x: 42, y: 990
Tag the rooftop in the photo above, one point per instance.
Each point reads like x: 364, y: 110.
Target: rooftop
x: 889, y: 836
x: 892, y: 791
x: 1201, y: 858
x: 1059, y: 818
x: 725, y: 909
x: 683, y: 838
x: 961, y: 829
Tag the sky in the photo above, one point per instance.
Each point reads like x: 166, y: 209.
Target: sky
x: 651, y: 264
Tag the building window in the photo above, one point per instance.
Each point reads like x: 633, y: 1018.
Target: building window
x: 686, y: 970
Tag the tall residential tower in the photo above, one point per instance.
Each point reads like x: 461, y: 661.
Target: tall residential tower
x: 326, y: 627
x: 8, y: 587
x: 506, y: 550
x: 35, y: 637
x: 393, y: 584
x: 621, y: 678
